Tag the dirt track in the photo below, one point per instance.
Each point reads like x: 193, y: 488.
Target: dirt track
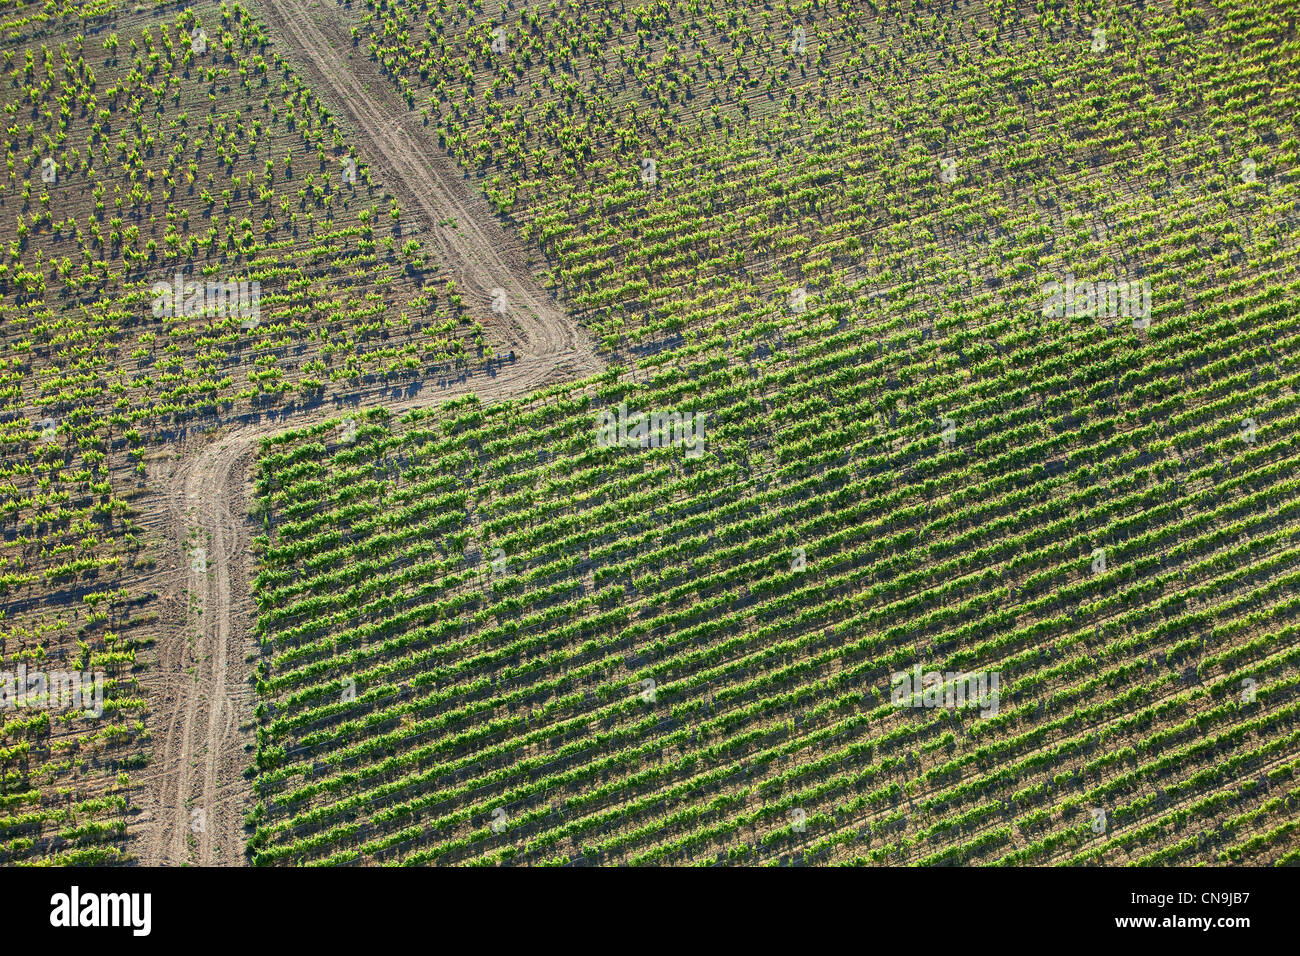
x: 202, y: 702
x: 481, y: 255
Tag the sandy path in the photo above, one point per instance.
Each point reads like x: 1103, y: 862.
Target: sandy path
x: 481, y: 255
x: 195, y: 791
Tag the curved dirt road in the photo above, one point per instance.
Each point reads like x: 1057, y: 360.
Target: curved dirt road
x: 196, y: 792
x: 202, y: 701
x: 481, y: 255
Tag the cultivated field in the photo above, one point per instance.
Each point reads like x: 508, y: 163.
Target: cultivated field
x: 655, y: 414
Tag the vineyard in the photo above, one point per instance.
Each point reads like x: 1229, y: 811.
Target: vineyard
x: 952, y: 338
x: 488, y: 637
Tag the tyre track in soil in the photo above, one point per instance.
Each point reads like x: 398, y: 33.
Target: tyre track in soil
x: 199, y: 689
x: 481, y: 254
